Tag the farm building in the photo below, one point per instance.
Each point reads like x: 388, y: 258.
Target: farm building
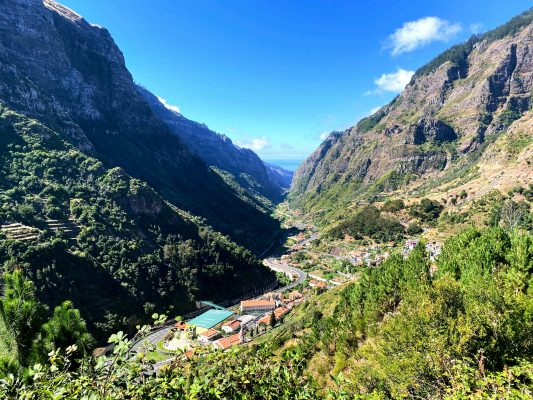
x: 209, y: 319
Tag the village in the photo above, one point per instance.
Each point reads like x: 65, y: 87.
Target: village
x: 310, y: 266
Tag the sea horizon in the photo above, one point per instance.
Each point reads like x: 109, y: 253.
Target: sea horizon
x: 288, y: 164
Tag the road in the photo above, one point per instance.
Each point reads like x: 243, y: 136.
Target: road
x: 276, y: 265
x: 152, y: 339
x: 273, y: 263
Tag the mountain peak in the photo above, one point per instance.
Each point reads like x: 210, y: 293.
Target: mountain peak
x: 456, y: 108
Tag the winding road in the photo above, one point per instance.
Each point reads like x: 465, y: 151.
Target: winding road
x: 274, y: 264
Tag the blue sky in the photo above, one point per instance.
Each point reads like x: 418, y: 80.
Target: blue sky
x: 277, y: 75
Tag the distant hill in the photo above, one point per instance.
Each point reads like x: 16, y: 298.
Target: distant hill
x: 219, y: 151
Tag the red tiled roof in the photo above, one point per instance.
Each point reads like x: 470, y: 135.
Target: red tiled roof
x: 229, y: 341
x: 180, y: 325
x: 209, y: 333
x: 278, y: 312
x: 233, y: 324
x: 258, y: 303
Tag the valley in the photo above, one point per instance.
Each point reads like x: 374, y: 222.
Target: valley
x: 145, y: 255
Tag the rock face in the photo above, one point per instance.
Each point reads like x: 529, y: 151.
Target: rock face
x: 70, y: 75
x: 278, y: 175
x: 453, y: 109
x: 219, y: 151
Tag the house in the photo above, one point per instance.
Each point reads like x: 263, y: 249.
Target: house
x: 321, y: 285
x: 316, y: 283
x: 294, y: 295
x: 231, y: 326
x: 278, y: 313
x: 180, y: 325
x: 227, y: 342
x: 273, y: 296
x: 258, y: 306
x: 411, y: 244
x: 208, y: 336
x: 245, y: 319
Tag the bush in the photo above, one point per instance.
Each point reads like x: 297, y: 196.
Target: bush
x: 393, y: 205
x: 427, y: 210
x: 369, y: 222
x: 414, y: 229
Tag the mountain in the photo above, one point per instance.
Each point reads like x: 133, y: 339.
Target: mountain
x: 281, y: 176
x: 463, y: 123
x: 70, y: 75
x: 105, y: 240
x: 218, y: 151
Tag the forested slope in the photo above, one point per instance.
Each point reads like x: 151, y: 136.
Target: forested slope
x: 72, y: 77
x: 406, y: 329
x: 127, y: 251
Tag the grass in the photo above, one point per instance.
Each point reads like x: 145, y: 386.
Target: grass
x: 156, y: 356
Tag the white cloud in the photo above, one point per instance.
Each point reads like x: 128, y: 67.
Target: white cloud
x: 375, y: 110
x: 415, y: 34
x: 324, y: 135
x: 168, y: 106
x: 254, y: 144
x: 394, y: 82
x: 476, y: 27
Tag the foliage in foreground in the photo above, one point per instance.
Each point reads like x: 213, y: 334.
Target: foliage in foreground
x: 404, y: 330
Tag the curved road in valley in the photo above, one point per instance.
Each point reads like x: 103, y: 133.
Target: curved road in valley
x: 274, y: 264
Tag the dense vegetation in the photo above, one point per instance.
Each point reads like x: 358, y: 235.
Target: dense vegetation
x: 368, y: 222
x: 427, y: 210
x: 458, y: 329
x: 404, y: 330
x: 29, y: 334
x: 129, y: 252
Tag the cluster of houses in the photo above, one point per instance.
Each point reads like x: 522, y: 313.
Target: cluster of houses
x: 222, y: 328
x: 433, y: 248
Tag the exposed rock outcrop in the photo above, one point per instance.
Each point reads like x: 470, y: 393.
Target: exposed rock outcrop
x: 70, y: 75
x: 452, y: 107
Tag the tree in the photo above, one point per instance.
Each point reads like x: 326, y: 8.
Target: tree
x: 427, y: 210
x: 511, y: 215
x: 22, y: 312
x: 66, y: 327
x: 414, y: 229
x: 272, y: 321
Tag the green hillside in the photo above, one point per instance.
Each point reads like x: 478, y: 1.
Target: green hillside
x: 104, y: 240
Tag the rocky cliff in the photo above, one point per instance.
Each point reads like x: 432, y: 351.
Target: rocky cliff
x: 70, y: 75
x: 435, y: 137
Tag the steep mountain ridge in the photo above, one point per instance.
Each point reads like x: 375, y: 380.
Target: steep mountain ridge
x: 131, y: 252
x: 219, y: 151
x: 434, y: 137
x: 70, y: 75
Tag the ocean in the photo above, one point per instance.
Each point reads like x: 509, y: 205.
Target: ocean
x: 290, y: 165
